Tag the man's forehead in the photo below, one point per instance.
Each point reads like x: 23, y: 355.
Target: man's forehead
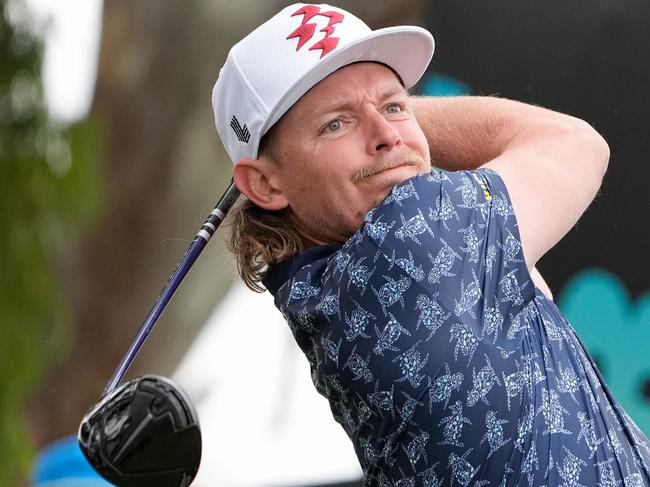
x: 338, y: 87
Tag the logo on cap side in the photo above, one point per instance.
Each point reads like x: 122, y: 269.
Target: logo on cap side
x: 242, y: 133
x: 305, y: 31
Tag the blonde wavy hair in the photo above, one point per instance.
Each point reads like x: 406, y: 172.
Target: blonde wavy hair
x: 259, y: 238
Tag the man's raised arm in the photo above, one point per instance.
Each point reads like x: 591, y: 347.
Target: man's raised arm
x: 551, y: 163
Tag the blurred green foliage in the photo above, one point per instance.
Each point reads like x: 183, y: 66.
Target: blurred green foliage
x: 49, y: 190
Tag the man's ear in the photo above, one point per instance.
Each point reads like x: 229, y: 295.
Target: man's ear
x: 256, y: 178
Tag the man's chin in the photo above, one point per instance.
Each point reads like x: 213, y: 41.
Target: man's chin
x: 382, y: 184
x: 395, y: 176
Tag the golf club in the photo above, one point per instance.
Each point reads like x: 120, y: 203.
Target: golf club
x: 146, y: 431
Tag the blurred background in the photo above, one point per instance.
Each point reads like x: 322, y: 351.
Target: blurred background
x: 109, y: 162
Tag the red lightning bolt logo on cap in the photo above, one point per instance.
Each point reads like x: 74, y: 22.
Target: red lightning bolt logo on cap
x: 305, y: 30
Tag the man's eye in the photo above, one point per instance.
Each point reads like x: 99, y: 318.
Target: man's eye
x: 394, y: 108
x: 333, y: 126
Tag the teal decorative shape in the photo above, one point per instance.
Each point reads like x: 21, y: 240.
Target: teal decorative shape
x: 442, y: 85
x: 616, y: 331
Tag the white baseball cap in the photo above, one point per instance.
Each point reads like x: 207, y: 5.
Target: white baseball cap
x: 276, y: 64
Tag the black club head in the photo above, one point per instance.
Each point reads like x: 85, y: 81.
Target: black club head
x: 145, y: 432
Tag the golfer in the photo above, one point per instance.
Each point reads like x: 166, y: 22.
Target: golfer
x: 399, y: 237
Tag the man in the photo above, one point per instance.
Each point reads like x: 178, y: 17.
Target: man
x: 413, y: 291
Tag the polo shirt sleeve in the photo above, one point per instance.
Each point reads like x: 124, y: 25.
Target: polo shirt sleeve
x: 454, y: 235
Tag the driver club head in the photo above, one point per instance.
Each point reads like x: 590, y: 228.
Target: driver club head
x: 145, y: 432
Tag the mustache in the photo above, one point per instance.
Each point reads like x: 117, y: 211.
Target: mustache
x: 405, y: 158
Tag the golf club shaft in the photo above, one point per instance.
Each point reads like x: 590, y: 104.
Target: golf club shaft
x: 202, y: 237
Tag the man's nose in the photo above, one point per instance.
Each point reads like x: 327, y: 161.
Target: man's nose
x: 382, y: 135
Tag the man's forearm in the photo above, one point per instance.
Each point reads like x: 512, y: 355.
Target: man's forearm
x: 467, y: 132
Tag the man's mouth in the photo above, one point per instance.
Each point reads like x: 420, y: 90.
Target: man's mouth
x: 378, y: 168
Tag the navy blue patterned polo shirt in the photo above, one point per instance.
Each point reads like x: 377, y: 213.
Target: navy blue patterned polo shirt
x: 441, y: 360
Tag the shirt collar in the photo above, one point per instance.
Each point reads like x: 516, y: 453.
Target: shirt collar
x: 281, y: 272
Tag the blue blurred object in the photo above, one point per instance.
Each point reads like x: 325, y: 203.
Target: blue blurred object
x: 616, y: 330
x: 62, y: 464
x: 441, y: 85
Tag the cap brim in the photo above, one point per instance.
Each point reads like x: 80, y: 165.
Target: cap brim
x: 406, y: 49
